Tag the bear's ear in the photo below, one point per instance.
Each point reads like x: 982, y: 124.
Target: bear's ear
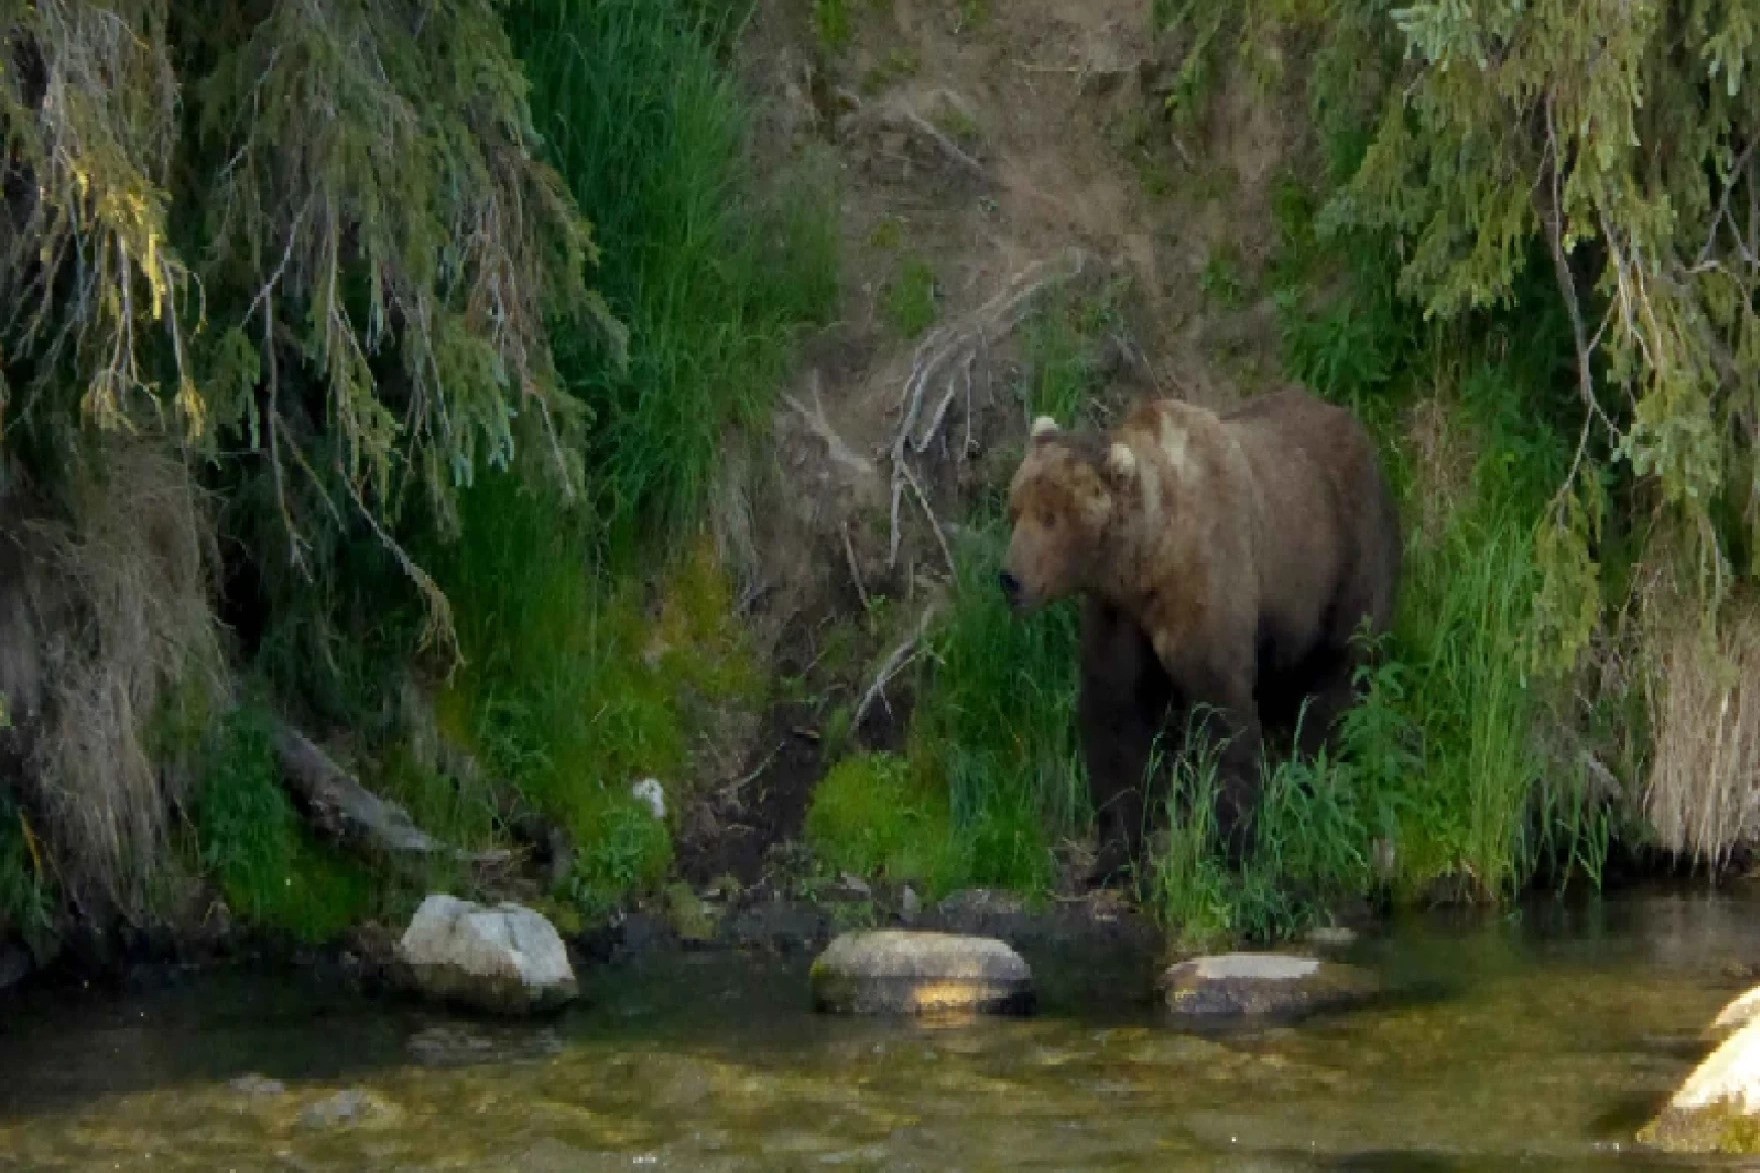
x: 1121, y: 462
x: 1043, y: 426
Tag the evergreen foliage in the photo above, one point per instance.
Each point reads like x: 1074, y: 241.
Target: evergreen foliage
x: 1612, y: 146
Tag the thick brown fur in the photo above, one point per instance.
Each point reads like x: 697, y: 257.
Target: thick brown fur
x: 1226, y: 561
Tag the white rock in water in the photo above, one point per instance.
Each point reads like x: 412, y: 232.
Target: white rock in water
x: 1717, y: 1110
x: 1232, y: 984
x: 507, y: 958
x: 896, y: 971
x: 1738, y: 1013
x: 650, y: 794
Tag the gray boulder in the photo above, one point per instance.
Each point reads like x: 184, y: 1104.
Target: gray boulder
x: 1262, y: 985
x: 896, y: 971
x: 506, y: 959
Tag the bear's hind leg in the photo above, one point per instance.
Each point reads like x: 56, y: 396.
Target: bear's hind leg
x: 1225, y: 695
x: 1332, y: 691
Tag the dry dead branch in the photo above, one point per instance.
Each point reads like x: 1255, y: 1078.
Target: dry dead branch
x: 896, y: 661
x: 341, y: 807
x: 943, y: 368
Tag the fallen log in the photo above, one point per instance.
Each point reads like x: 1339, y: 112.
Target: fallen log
x: 340, y: 806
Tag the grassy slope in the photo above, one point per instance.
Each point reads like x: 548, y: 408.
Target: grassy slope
x: 713, y: 279
x: 573, y: 686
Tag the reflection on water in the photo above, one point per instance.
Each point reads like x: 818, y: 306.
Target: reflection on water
x: 1534, y: 1041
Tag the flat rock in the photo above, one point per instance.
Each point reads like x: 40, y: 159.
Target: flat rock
x: 1232, y: 985
x: 897, y: 971
x: 505, y: 959
x: 1717, y: 1110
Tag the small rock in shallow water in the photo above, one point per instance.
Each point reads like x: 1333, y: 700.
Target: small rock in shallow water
x: 257, y: 1085
x: 507, y: 959
x: 1717, y: 1110
x: 1262, y: 984
x: 455, y: 1045
x: 892, y: 971
x: 1331, y: 937
x: 345, y: 1107
x: 910, y: 905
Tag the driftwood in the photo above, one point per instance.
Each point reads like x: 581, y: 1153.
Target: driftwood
x: 340, y: 806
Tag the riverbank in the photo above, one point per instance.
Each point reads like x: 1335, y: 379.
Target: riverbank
x: 754, y: 647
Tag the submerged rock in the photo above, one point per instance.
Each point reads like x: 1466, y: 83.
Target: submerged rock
x: 353, y: 1106
x: 1717, y: 1110
x: 1332, y: 937
x: 1262, y: 984
x: 896, y: 971
x: 506, y: 959
x: 252, y: 1084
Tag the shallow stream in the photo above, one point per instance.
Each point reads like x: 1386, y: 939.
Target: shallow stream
x: 1538, y: 1040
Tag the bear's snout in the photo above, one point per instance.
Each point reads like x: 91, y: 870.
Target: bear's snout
x: 1011, y: 587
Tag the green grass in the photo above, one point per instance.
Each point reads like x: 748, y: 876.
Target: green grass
x: 874, y: 815
x: 713, y: 267
x: 911, y: 301
x: 250, y: 840
x: 832, y: 22
x: 992, y: 729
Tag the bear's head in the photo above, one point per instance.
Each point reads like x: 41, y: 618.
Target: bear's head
x: 1060, y: 505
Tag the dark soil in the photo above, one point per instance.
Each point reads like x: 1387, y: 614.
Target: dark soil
x: 730, y: 832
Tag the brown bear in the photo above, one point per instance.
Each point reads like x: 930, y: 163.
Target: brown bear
x: 1226, y: 561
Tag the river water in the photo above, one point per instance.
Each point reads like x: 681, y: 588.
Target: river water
x: 1540, y: 1039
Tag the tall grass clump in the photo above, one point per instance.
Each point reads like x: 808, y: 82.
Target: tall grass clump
x: 993, y: 726
x: 571, y: 690
x: 711, y: 267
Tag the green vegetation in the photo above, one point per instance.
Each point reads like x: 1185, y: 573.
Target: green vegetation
x: 831, y: 19
x: 25, y: 899
x: 991, y: 778
x: 910, y: 304
x: 569, y: 691
x: 437, y: 452
x: 250, y: 839
x: 873, y: 815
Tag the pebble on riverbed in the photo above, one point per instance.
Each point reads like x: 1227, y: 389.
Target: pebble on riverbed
x: 353, y: 1106
x: 1233, y: 985
x: 893, y: 971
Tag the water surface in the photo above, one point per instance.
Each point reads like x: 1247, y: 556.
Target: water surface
x: 1540, y: 1040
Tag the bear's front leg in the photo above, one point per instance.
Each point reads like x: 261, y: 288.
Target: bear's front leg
x: 1120, y: 710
